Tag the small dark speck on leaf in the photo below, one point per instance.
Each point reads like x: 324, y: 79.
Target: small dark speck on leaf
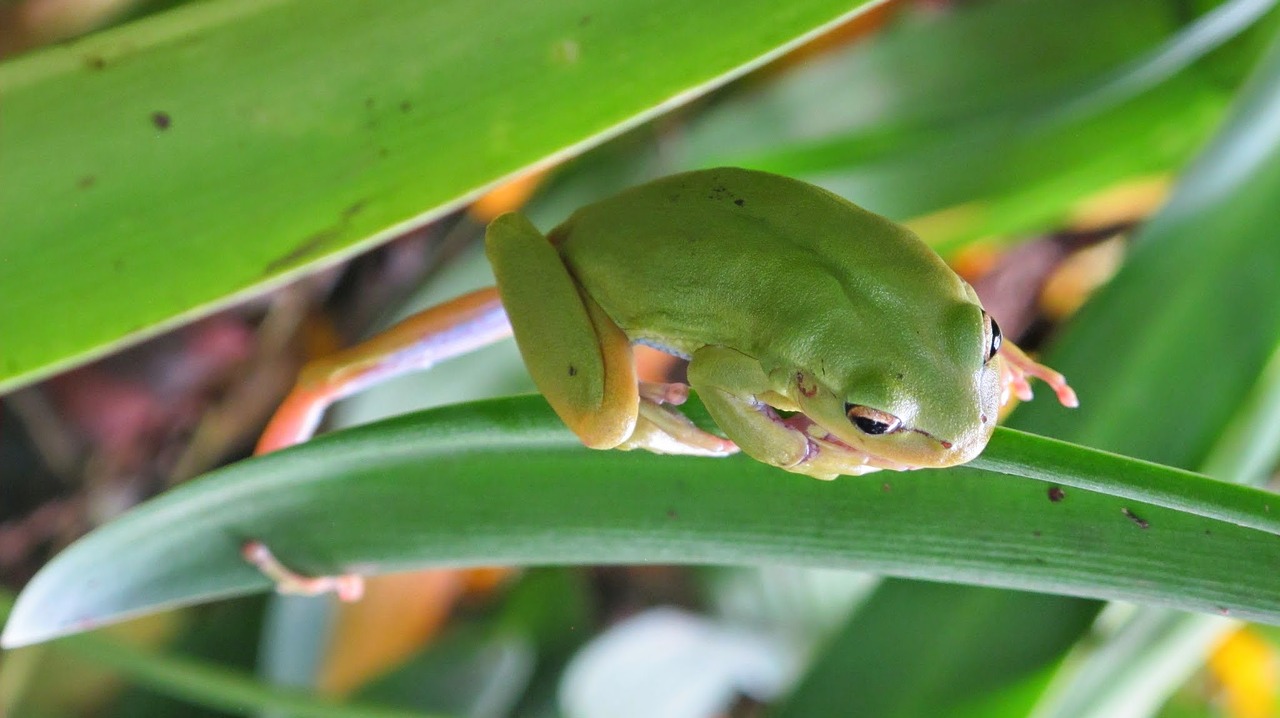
x: 1207, y: 532
x: 739, y: 201
x: 1036, y: 534
x: 353, y: 209
x: 94, y: 62
x: 86, y: 182
x: 1141, y: 522
x: 406, y: 106
x: 161, y: 120
x: 1056, y: 494
x: 383, y: 152
x: 368, y: 103
x: 1224, y: 610
x: 886, y: 487
x: 573, y: 370
x: 671, y: 514
x: 584, y: 20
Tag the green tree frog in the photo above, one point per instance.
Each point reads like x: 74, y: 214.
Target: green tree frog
x: 822, y: 338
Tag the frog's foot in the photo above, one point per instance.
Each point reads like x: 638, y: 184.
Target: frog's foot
x: 826, y: 457
x: 348, y: 587
x: 664, y: 430
x: 1017, y: 366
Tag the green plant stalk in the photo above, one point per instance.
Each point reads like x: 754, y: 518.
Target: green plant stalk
x: 197, y: 681
x: 213, y: 686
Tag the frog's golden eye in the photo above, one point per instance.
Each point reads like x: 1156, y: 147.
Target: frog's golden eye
x: 994, y: 333
x: 872, y: 421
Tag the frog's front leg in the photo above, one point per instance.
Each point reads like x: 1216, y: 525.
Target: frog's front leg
x: 740, y: 397
x: 579, y: 358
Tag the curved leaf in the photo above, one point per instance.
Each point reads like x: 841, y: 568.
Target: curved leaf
x: 504, y: 482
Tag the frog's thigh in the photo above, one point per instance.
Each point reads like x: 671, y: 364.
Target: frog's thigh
x: 578, y: 358
x: 729, y: 382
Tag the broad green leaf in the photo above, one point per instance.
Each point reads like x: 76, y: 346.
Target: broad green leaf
x: 503, y: 482
x: 158, y: 170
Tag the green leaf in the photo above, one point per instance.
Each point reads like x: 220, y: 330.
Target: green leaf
x: 174, y: 164
x: 503, y: 482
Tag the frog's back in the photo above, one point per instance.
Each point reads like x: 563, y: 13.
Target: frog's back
x: 713, y: 257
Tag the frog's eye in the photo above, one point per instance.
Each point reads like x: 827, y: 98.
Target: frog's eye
x: 994, y: 333
x: 872, y: 421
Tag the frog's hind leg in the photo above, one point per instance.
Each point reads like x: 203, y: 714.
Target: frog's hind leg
x: 591, y: 388
x: 580, y: 359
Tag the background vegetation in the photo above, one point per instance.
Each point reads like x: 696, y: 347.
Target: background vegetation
x: 215, y: 166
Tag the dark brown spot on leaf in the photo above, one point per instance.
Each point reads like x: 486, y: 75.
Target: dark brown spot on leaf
x: 406, y: 106
x: 1056, y: 494
x: 573, y: 370
x: 94, y: 62
x: 1141, y: 522
x: 739, y: 202
x: 161, y: 120
x: 86, y: 182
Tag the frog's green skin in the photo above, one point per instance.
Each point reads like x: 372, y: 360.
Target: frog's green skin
x: 785, y: 298
x: 782, y: 295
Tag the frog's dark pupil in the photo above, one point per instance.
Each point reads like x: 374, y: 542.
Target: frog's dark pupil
x: 870, y: 426
x: 995, y: 339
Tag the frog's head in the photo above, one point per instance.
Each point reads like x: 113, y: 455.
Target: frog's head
x: 932, y: 406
